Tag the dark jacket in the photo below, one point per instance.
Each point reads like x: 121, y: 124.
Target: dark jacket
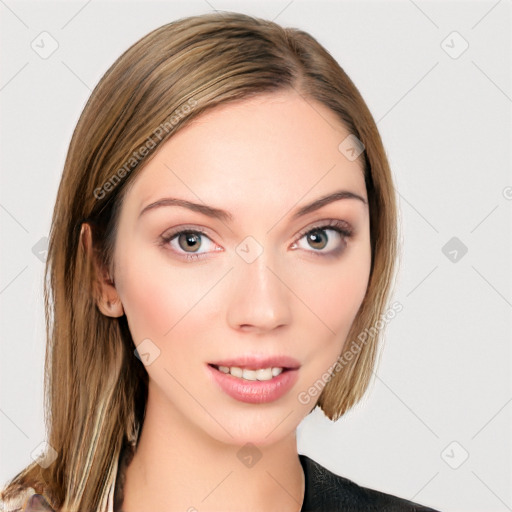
x: 328, y: 492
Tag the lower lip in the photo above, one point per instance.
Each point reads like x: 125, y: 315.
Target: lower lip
x: 254, y: 391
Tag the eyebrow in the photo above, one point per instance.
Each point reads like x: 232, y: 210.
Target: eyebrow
x: 223, y: 215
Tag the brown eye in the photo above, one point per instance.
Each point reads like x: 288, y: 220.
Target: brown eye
x: 189, y: 241
x: 325, y: 240
x: 189, y: 244
x: 317, y: 239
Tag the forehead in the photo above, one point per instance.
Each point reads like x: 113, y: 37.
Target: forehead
x: 274, y: 147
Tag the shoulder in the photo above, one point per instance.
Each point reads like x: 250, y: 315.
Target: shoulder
x: 24, y: 500
x: 326, y: 491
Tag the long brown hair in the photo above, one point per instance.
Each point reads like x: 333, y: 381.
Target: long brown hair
x: 95, y: 387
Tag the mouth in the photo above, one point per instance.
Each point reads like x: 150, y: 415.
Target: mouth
x: 255, y: 380
x: 251, y: 373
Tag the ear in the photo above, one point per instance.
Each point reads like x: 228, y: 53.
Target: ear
x: 107, y: 300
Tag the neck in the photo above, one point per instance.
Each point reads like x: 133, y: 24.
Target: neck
x: 177, y: 466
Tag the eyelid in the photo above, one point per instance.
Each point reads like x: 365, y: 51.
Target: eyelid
x: 186, y: 227
x: 344, y: 226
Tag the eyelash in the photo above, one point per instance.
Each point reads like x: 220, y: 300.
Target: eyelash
x: 341, y: 227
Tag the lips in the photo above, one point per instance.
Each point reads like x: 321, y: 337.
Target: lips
x: 252, y: 384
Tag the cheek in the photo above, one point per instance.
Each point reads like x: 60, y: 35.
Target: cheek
x: 343, y: 297
x: 157, y: 297
x: 335, y: 298
x: 335, y: 293
x: 161, y: 299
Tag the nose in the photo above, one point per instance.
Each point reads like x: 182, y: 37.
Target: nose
x: 259, y: 300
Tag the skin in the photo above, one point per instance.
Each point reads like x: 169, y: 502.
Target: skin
x: 259, y: 159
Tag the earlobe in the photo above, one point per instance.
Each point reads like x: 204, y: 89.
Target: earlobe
x: 107, y: 298
x: 110, y: 304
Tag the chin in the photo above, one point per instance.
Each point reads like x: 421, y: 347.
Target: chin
x: 259, y: 425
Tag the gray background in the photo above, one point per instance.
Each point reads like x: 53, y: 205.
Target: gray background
x: 442, y: 391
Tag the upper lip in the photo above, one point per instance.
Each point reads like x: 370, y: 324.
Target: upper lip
x: 256, y: 362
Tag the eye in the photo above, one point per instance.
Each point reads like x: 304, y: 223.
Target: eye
x: 328, y: 239
x: 189, y: 242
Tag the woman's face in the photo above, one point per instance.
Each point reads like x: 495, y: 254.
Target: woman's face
x: 248, y: 284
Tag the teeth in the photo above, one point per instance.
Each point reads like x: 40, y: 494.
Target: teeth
x: 249, y: 375
x: 237, y: 372
x: 265, y: 374
x: 260, y: 374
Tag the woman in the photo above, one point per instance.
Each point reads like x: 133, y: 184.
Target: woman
x: 224, y: 231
